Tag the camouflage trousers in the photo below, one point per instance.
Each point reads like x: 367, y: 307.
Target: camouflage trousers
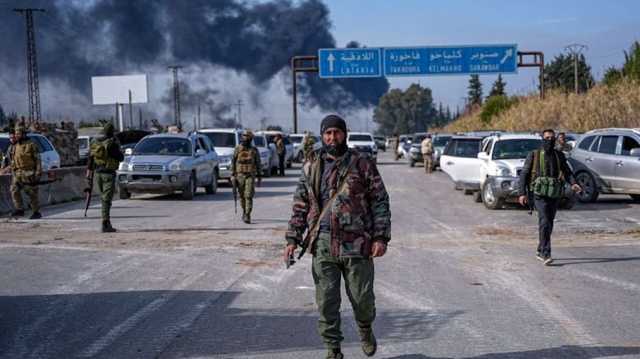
x: 19, y: 183
x: 358, y: 276
x: 428, y: 162
x: 246, y: 190
x: 106, y: 185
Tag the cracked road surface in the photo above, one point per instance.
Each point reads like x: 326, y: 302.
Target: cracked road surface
x: 188, y: 279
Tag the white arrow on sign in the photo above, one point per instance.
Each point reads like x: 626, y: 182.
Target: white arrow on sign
x: 507, y: 55
x: 331, y: 59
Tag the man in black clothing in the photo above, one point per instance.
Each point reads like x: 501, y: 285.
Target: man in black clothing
x: 544, y: 173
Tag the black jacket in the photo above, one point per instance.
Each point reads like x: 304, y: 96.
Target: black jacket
x: 551, y: 170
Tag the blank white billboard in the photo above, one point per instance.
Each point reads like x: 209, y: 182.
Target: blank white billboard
x: 109, y: 90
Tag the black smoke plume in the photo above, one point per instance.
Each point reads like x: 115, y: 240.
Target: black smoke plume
x: 80, y: 39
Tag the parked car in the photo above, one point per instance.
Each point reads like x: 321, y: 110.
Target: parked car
x: 439, y: 142
x: 362, y: 142
x: 381, y: 143
x: 296, y: 140
x: 224, y: 142
x: 405, y: 146
x: 261, y: 143
x: 460, y: 162
x: 271, y: 138
x: 415, y: 152
x: 166, y: 163
x: 49, y: 157
x: 502, y: 158
x: 607, y: 161
x: 84, y: 143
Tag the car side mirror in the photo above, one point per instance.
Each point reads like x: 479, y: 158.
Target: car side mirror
x: 128, y: 152
x: 483, y: 156
x: 635, y: 152
x: 200, y: 152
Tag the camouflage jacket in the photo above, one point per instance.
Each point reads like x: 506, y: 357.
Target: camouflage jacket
x: 24, y: 156
x: 246, y: 160
x: 359, y: 215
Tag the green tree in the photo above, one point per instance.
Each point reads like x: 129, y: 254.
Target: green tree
x: 498, y: 88
x: 475, y: 91
x: 612, y: 76
x: 405, y: 111
x: 494, y: 106
x: 631, y: 67
x: 559, y: 73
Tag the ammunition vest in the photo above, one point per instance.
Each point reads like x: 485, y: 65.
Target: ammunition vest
x: 24, y: 156
x: 101, y: 157
x: 245, y: 162
x: 543, y: 185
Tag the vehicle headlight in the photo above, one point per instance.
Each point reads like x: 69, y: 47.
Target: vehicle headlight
x: 503, y: 171
x: 124, y: 166
x: 414, y: 149
x: 225, y: 159
x: 176, y: 166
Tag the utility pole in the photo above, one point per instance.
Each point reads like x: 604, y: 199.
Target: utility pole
x: 198, y: 121
x: 130, y: 109
x: 239, y: 104
x: 33, y: 86
x: 176, y: 95
x: 576, y: 50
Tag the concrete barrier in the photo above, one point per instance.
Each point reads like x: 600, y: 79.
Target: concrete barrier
x: 69, y: 188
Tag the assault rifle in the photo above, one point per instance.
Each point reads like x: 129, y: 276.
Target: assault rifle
x: 88, y: 191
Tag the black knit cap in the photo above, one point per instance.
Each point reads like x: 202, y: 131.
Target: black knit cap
x: 333, y: 121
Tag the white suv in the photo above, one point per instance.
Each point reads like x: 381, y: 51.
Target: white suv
x: 48, y: 155
x: 362, y: 142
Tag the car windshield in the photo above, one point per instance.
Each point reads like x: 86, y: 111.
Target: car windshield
x: 366, y: 138
x: 259, y: 141
x: 467, y: 148
x: 441, y: 141
x: 418, y: 138
x: 222, y: 139
x: 4, y: 144
x: 83, y: 143
x: 514, y: 149
x: 296, y: 139
x: 164, y: 146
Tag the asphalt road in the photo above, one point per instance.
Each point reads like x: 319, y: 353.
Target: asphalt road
x: 188, y: 279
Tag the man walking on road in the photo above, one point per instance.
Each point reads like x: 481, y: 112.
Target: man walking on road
x: 104, y: 158
x: 26, y: 171
x: 342, y: 203
x: 395, y: 145
x: 426, y: 148
x: 543, y: 176
x: 281, y: 150
x: 245, y: 167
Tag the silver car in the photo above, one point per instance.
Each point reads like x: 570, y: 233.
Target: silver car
x: 166, y: 163
x: 607, y: 161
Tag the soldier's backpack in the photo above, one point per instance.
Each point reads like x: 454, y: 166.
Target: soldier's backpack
x: 542, y: 185
x: 100, y: 154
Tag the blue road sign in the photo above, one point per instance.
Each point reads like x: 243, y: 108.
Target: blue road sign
x: 450, y: 60
x: 341, y: 63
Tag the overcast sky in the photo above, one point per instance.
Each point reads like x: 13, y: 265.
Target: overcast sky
x: 606, y: 27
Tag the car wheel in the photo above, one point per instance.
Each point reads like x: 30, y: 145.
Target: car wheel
x: 266, y: 172
x: 213, y: 187
x: 300, y: 157
x: 567, y: 202
x: 489, y: 199
x: 468, y: 192
x: 477, y: 197
x: 635, y: 197
x: 274, y: 170
x: 289, y: 164
x: 190, y: 190
x: 412, y: 163
x: 123, y: 193
x: 589, y: 188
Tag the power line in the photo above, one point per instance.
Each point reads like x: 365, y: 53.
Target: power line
x: 176, y: 95
x: 33, y: 84
x: 576, y: 50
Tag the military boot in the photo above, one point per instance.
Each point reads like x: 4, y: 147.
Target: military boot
x: 246, y: 217
x: 368, y: 340
x: 106, y: 227
x: 334, y: 354
x: 36, y: 215
x: 17, y: 213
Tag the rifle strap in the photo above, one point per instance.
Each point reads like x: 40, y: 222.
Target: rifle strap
x: 313, y: 231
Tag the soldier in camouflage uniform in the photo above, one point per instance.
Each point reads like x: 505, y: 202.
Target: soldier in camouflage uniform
x: 26, y: 169
x: 355, y: 228
x: 245, y: 167
x: 104, y: 158
x: 307, y: 145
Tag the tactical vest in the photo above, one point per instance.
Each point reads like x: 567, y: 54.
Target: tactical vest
x: 24, y: 156
x: 101, y: 157
x: 245, y: 160
x: 543, y: 185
